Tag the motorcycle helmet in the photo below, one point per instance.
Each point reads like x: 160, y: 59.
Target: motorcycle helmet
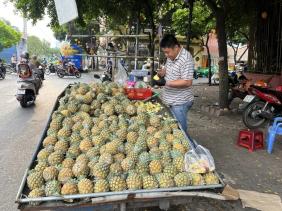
x: 25, y: 55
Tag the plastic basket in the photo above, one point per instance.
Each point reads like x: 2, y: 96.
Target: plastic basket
x: 138, y: 93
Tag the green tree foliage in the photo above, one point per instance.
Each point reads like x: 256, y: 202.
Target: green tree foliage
x: 8, y: 35
x: 40, y: 48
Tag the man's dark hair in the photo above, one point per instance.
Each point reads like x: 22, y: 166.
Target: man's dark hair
x: 169, y: 41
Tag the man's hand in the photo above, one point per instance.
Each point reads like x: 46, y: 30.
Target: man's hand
x: 161, y: 72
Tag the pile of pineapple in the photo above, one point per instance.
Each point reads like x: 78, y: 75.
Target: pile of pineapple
x: 99, y: 141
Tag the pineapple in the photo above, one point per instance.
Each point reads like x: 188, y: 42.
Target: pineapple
x: 106, y: 158
x: 155, y: 154
x: 144, y: 158
x: 82, y: 158
x: 77, y: 127
x: 40, y: 166
x: 88, y: 97
x: 142, y: 169
x: 170, y: 170
x: 132, y: 137
x: 85, y: 133
x: 115, y: 169
x: 130, y: 110
x: 151, y: 129
x: 56, y: 124
x: 101, y: 185
x: 35, y: 180
x: 85, y: 145
x: 182, y: 179
x: 127, y: 164
x: 65, y: 175
x: 88, y: 123
x: 155, y: 167
x: 197, y: 179
x: 73, y: 151
x: 98, y: 141
x: 50, y: 173
x: 165, y: 181
x: 69, y: 188
x: 80, y: 169
x: 64, y: 133
x: 100, y: 171
x: 68, y: 123
x: 85, y: 186
x: 109, y: 110
x: 170, y: 138
x: 73, y: 107
x: 179, y: 163
x: 61, y: 146
x: 43, y: 155
x: 49, y: 140
x: 149, y: 182
x: 211, y: 179
x: 121, y: 134
x: 68, y: 163
x: 152, y: 142
x: 85, y: 108
x: 55, y: 158
x: 119, y: 109
x: 164, y: 146
x: 117, y: 184
x: 112, y: 147
x: 92, y: 152
x: 75, y: 139
x: 53, y: 188
x: 119, y: 157
x: 134, y: 182
x: 36, y: 193
x: 105, y: 133
x: 155, y: 120
x: 95, y: 130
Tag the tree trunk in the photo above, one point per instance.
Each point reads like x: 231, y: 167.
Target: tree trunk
x: 209, y: 57
x: 251, y: 43
x: 223, y: 67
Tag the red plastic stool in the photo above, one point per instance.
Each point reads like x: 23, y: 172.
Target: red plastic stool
x: 251, y: 139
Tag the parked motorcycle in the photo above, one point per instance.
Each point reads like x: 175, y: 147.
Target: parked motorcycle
x: 51, y: 68
x: 29, y: 83
x: 2, y: 70
x: 262, y: 105
x: 70, y: 70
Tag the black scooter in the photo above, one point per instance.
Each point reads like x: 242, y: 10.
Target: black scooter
x: 2, y: 70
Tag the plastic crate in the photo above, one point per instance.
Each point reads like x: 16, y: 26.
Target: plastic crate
x: 138, y: 93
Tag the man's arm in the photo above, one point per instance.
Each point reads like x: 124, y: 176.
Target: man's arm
x: 179, y: 83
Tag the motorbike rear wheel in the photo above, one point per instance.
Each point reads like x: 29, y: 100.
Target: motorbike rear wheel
x: 77, y: 74
x: 60, y: 74
x: 23, y: 101
x: 251, y: 117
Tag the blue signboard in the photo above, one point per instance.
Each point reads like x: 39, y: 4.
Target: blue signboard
x: 76, y: 59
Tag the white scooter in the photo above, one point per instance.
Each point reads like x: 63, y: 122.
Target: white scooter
x: 28, y: 83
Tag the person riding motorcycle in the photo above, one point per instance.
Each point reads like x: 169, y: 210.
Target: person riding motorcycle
x: 34, y: 65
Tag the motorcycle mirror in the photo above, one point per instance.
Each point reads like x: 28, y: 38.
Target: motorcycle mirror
x: 97, y: 76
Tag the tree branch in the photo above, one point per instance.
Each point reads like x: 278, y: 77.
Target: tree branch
x: 212, y: 5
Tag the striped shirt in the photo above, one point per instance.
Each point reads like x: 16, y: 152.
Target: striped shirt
x: 181, y: 68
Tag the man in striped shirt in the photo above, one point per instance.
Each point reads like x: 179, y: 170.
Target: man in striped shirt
x: 178, y: 72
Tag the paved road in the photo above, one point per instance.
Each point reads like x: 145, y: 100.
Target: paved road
x: 20, y: 130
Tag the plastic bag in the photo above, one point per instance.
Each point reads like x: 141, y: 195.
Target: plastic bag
x: 121, y: 75
x: 199, y: 160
